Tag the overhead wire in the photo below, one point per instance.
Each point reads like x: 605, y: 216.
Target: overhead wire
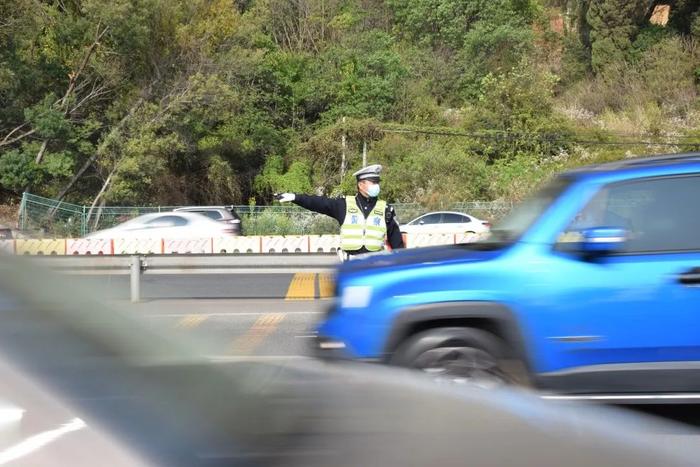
x: 549, y: 138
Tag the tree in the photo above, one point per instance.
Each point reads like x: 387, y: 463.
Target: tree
x: 614, y: 25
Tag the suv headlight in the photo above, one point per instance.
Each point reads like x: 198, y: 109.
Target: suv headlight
x: 356, y: 296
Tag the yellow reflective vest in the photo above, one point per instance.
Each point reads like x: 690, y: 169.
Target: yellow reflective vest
x: 357, y: 232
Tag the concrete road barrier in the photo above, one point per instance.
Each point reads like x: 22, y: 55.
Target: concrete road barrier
x: 89, y: 246
x: 188, y: 246
x: 269, y: 244
x: 285, y: 244
x: 251, y: 244
x: 44, y: 246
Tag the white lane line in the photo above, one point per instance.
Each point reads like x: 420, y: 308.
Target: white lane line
x: 36, y: 442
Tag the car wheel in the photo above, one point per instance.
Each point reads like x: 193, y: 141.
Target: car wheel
x: 455, y: 355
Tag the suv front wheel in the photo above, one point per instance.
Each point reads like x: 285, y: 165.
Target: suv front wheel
x: 457, y: 355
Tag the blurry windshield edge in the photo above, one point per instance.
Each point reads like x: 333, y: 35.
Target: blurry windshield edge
x: 524, y: 215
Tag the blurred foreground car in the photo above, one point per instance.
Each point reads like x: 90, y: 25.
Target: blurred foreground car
x: 590, y: 289
x: 167, y: 225
x: 225, y: 214
x: 86, y: 384
x: 446, y: 222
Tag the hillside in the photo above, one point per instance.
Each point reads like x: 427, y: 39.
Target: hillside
x: 173, y: 102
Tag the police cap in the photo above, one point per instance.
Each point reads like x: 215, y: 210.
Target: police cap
x: 371, y: 172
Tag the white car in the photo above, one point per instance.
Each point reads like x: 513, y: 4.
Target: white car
x: 446, y: 222
x: 167, y: 225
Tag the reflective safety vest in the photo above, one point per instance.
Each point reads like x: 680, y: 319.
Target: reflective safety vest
x: 357, y: 232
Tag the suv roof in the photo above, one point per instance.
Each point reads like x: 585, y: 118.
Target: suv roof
x: 640, y: 162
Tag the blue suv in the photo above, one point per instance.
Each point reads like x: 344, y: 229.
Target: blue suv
x: 590, y: 289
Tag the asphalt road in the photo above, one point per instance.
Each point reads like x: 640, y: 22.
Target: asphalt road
x: 269, y: 317
x: 239, y: 328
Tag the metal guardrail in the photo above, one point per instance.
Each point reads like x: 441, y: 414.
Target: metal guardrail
x: 136, y: 265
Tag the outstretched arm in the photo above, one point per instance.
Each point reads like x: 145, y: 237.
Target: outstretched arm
x: 333, y: 207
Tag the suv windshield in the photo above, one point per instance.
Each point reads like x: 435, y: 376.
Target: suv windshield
x: 514, y: 225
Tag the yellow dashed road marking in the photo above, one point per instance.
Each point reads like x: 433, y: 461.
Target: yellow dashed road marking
x: 263, y: 327
x: 302, y: 287
x: 325, y: 285
x: 191, y: 321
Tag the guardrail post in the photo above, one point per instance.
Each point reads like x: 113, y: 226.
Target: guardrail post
x: 135, y: 279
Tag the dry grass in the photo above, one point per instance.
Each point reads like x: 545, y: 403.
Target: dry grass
x: 8, y: 215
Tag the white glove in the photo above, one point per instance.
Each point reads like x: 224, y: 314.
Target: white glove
x: 285, y: 197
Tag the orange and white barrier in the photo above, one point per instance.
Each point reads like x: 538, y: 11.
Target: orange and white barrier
x: 136, y: 246
x: 324, y: 243
x: 238, y: 245
x: 470, y: 237
x: 7, y: 246
x: 44, y: 246
x: 285, y: 244
x: 253, y: 244
x: 188, y: 246
x: 89, y: 246
x: 426, y: 239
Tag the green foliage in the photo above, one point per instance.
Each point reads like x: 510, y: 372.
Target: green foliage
x: 448, y: 23
x: 517, y: 108
x: 646, y: 39
x: 220, y: 101
x: 17, y: 169
x: 614, y: 24
x: 486, y: 36
x: 684, y: 17
x: 362, y: 77
x: 274, y: 178
x: 575, y: 62
x: 298, y: 222
x: 667, y: 69
x: 46, y: 119
x: 661, y: 81
x: 431, y: 171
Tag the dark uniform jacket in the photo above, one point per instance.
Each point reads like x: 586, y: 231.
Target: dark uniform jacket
x: 335, y: 208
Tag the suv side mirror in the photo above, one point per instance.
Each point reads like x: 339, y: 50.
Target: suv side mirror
x: 602, y: 240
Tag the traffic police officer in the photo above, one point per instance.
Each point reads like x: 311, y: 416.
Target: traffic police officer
x: 366, y: 222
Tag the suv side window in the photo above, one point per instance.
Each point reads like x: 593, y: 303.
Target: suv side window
x: 659, y: 214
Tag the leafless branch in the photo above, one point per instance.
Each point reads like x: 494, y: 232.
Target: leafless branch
x: 99, y: 33
x: 7, y: 141
x: 42, y: 151
x: 93, y: 94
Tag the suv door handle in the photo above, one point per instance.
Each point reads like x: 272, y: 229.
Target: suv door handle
x: 690, y: 277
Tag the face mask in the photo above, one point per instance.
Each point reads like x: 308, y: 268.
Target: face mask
x: 373, y: 191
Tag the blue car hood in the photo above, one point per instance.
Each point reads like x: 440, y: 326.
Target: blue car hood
x: 419, y: 256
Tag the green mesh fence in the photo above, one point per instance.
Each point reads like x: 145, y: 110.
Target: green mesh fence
x: 43, y: 217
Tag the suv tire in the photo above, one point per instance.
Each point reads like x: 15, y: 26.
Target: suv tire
x: 456, y: 354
